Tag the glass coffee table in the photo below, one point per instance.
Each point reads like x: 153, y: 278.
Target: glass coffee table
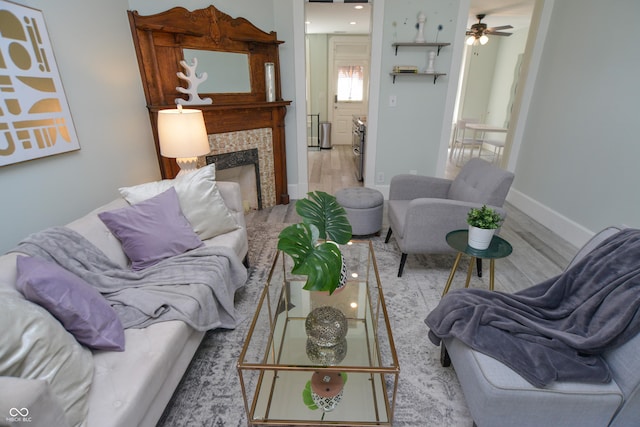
x: 278, y: 360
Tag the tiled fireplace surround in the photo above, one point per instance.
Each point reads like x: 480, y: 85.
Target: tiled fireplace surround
x: 240, y: 142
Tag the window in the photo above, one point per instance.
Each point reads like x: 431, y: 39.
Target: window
x: 350, y: 83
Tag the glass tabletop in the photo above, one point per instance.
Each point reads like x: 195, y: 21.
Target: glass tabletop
x: 498, y: 248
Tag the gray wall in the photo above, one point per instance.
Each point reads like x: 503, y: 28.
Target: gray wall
x: 317, y: 72
x: 99, y: 72
x: 408, y: 135
x: 580, y: 150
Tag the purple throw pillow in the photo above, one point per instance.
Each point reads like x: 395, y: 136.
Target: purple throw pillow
x: 152, y: 230
x: 81, y: 309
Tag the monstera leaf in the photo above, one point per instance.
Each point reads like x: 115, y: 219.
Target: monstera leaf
x: 313, y: 244
x: 323, y: 210
x: 321, y: 263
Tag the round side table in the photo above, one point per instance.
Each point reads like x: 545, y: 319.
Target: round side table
x: 458, y: 240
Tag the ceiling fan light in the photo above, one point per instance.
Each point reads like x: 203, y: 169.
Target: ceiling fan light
x: 470, y: 40
x: 484, y: 39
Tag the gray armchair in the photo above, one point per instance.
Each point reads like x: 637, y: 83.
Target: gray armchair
x: 423, y: 209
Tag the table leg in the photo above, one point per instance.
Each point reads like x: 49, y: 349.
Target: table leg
x: 469, y: 270
x: 453, y: 272
x: 492, y: 264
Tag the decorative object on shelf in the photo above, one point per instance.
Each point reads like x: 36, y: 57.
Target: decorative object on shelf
x: 326, y: 356
x: 483, y: 223
x: 420, y: 26
x: 440, y: 27
x: 36, y: 119
x: 193, y: 80
x: 326, y: 326
x: 405, y: 69
x: 324, y: 391
x: 322, y: 219
x: 270, y: 81
x: 432, y: 57
x: 183, y: 136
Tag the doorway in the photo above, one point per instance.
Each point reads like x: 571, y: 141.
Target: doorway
x: 337, y: 58
x: 490, y: 75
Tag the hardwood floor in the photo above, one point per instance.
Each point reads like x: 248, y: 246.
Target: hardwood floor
x: 331, y: 170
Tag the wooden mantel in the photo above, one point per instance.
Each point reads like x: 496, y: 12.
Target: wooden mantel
x: 159, y: 41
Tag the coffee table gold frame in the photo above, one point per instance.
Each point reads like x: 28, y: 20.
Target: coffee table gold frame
x: 274, y: 365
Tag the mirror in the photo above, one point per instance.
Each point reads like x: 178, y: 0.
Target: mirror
x: 227, y: 72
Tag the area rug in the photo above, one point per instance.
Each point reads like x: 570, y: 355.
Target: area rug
x: 428, y: 394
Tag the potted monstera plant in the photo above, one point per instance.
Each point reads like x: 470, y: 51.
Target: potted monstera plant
x: 483, y: 223
x: 313, y: 243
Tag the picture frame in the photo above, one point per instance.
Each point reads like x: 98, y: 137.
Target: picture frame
x: 35, y: 119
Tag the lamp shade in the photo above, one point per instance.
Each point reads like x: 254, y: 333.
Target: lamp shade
x: 182, y: 133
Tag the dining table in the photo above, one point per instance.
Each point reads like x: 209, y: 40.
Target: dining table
x: 479, y: 132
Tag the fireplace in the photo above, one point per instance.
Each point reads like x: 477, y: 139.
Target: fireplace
x: 235, y: 121
x: 247, y: 147
x: 237, y: 160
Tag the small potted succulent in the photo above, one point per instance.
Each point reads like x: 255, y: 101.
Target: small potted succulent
x: 313, y: 243
x: 483, y: 223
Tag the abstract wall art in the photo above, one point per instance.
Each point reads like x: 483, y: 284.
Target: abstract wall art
x: 35, y: 120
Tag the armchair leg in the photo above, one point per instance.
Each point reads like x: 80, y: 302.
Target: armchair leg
x: 386, y: 240
x: 403, y: 259
x: 479, y: 266
x: 445, y: 361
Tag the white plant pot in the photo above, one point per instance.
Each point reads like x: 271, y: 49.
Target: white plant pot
x: 480, y: 238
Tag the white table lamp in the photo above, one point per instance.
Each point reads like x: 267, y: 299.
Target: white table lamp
x: 183, y: 136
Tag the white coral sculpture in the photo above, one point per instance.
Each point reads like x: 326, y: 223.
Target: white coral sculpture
x: 193, y: 80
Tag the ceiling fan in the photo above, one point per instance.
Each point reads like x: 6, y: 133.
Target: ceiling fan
x: 480, y: 31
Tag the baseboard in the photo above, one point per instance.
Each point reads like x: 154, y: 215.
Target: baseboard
x: 569, y: 230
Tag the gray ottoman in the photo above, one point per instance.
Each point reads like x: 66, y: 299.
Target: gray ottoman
x: 364, y: 209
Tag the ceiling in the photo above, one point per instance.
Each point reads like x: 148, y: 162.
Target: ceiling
x: 336, y: 18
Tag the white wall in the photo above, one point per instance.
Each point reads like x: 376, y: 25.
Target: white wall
x: 578, y: 162
x: 99, y: 72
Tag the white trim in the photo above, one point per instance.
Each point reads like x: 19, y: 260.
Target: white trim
x: 377, y: 24
x: 299, y: 189
x: 452, y: 88
x: 564, y: 227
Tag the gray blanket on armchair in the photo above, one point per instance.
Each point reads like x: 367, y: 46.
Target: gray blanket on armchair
x: 196, y: 287
x: 558, y: 329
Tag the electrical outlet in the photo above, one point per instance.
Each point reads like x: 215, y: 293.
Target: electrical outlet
x: 380, y: 178
x: 393, y: 101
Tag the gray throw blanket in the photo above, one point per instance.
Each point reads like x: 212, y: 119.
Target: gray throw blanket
x: 196, y: 287
x: 558, y: 329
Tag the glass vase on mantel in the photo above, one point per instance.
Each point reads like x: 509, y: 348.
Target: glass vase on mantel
x: 480, y: 238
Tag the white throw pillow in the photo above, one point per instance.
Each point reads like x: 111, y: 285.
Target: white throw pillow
x: 200, y: 200
x: 34, y: 345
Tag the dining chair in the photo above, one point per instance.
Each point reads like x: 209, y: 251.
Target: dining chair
x: 498, y: 148
x: 461, y: 141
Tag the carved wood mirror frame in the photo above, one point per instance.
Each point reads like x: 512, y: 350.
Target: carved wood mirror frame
x: 159, y: 40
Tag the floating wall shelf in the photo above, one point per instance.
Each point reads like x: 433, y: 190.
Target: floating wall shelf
x: 413, y: 44
x: 435, y: 75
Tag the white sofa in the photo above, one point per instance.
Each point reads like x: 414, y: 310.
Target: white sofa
x: 129, y: 388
